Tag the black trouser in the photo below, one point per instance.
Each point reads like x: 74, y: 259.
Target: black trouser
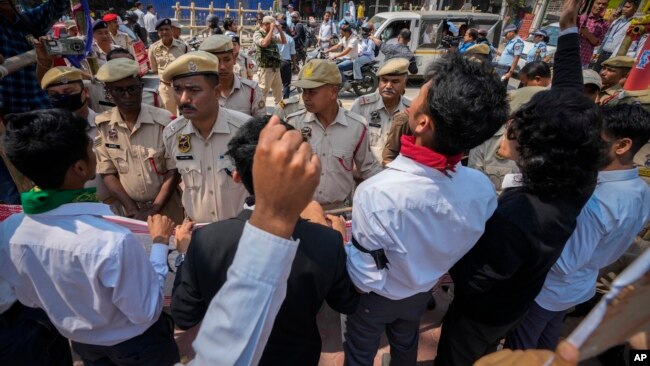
x: 155, y: 347
x: 285, y: 75
x: 604, y: 55
x: 27, y: 337
x: 463, y: 340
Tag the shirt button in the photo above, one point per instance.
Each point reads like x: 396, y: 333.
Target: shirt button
x: 211, y: 192
x: 322, y: 174
x: 213, y: 214
x: 139, y: 175
x: 323, y: 154
x: 142, y: 192
x: 209, y: 168
x: 206, y: 144
x: 320, y: 192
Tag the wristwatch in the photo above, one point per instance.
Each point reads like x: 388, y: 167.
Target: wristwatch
x: 179, y: 260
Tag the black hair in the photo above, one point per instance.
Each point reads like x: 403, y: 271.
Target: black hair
x: 560, y: 148
x: 149, y: 6
x: 227, y: 23
x: 212, y: 79
x: 466, y: 101
x: 118, y: 51
x: 43, y: 144
x: 405, y: 34
x: 536, y: 68
x: 137, y: 3
x: 627, y: 120
x: 634, y: 3
x: 241, y: 148
x: 473, y: 33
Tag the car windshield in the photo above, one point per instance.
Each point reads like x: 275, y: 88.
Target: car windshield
x: 377, y: 21
x: 553, y: 32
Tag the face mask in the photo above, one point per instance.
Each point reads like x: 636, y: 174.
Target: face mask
x: 70, y: 102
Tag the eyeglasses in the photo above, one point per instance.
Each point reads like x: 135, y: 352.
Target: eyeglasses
x: 119, y: 91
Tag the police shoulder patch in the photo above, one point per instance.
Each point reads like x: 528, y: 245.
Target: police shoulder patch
x: 236, y: 118
x: 296, y: 114
x: 368, y: 99
x: 355, y: 117
x: 174, y: 127
x: 103, y: 117
x: 406, y: 101
x: 249, y: 83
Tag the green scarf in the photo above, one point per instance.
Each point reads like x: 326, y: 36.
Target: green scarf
x: 38, y: 200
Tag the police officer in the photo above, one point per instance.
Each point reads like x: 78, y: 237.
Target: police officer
x: 268, y: 57
x: 288, y: 106
x: 379, y: 107
x: 509, y: 58
x: 130, y: 149
x: 161, y: 54
x: 244, y: 67
x: 611, y: 73
x: 242, y: 95
x: 196, y: 143
x: 339, y: 137
x: 538, y: 52
x: 119, y: 38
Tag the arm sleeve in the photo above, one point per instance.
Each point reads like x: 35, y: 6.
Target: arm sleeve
x: 342, y: 296
x: 259, y: 103
x: 152, y: 61
x: 104, y: 163
x: 137, y: 283
x: 239, y: 319
x: 188, y: 304
x: 477, y: 158
x: 365, y: 160
x: 170, y: 162
x: 567, y: 72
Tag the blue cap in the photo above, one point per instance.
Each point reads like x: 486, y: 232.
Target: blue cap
x: 510, y: 28
x: 165, y: 21
x: 99, y: 24
x: 540, y: 32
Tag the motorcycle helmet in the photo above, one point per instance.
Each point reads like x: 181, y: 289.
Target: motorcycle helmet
x: 366, y: 30
x: 131, y: 16
x: 212, y: 21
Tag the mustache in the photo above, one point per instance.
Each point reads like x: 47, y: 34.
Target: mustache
x: 187, y: 106
x: 390, y: 91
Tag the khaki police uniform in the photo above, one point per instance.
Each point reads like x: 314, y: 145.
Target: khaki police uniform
x: 341, y: 147
x: 244, y: 67
x: 609, y: 95
x: 209, y: 194
x: 399, y: 127
x: 124, y: 41
x: 245, y: 95
x: 288, y: 106
x: 135, y: 156
x: 379, y: 120
x: 486, y: 159
x: 268, y: 77
x: 160, y: 56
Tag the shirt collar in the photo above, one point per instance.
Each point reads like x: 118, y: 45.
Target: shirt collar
x: 79, y: 208
x: 220, y: 125
x: 512, y: 181
x: 617, y: 175
x: 91, y: 118
x: 404, y: 164
x: 143, y: 117
x: 340, y: 117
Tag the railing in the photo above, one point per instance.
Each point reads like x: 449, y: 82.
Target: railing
x: 211, y: 10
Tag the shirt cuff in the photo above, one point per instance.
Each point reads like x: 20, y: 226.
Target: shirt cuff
x: 568, y: 31
x: 158, y: 253
x: 263, y: 256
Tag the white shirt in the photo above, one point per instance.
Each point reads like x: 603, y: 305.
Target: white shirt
x: 92, y: 277
x: 287, y: 49
x: 239, y: 320
x: 140, y: 15
x: 150, y: 21
x: 615, y: 34
x: 353, y: 44
x: 606, y: 227
x: 424, y: 221
x: 325, y: 32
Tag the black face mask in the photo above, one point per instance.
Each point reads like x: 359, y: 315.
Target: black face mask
x: 70, y: 102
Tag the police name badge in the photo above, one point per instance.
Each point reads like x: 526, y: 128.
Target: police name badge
x: 306, y: 133
x: 375, y: 119
x: 184, y: 144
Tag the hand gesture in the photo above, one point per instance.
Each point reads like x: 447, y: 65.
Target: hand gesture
x: 160, y: 228
x: 184, y: 235
x: 285, y: 176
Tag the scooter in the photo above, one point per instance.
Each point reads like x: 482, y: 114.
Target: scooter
x: 369, y: 80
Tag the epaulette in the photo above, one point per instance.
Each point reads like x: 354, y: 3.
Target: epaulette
x: 356, y: 117
x: 298, y: 113
x: 103, y: 117
x: 406, y: 101
x: 251, y: 83
x: 235, y: 118
x: 369, y: 98
x: 160, y: 116
x: 174, y: 126
x: 284, y: 102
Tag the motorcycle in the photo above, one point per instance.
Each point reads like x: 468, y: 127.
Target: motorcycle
x: 194, y: 43
x: 369, y: 80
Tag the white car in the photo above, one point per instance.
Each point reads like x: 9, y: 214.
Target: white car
x: 553, y: 31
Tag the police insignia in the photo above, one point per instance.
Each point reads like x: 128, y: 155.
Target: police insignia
x: 63, y: 80
x: 184, y: 144
x: 112, y: 134
x: 309, y: 70
x: 374, y: 117
x: 306, y: 133
x: 192, y: 66
x: 261, y: 104
x: 282, y: 104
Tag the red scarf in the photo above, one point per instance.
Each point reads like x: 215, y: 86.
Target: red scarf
x: 428, y: 157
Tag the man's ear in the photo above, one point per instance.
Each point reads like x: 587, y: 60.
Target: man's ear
x: 623, y: 146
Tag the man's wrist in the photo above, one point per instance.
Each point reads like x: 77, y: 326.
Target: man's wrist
x: 160, y: 239
x: 273, y: 223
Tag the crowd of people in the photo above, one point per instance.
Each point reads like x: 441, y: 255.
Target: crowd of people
x: 550, y: 194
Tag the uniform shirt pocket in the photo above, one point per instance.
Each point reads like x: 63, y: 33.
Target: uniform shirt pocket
x: 342, y: 159
x: 119, y: 159
x: 224, y: 174
x: 190, y: 172
x: 155, y: 161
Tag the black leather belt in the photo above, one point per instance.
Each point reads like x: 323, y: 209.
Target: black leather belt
x: 378, y: 255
